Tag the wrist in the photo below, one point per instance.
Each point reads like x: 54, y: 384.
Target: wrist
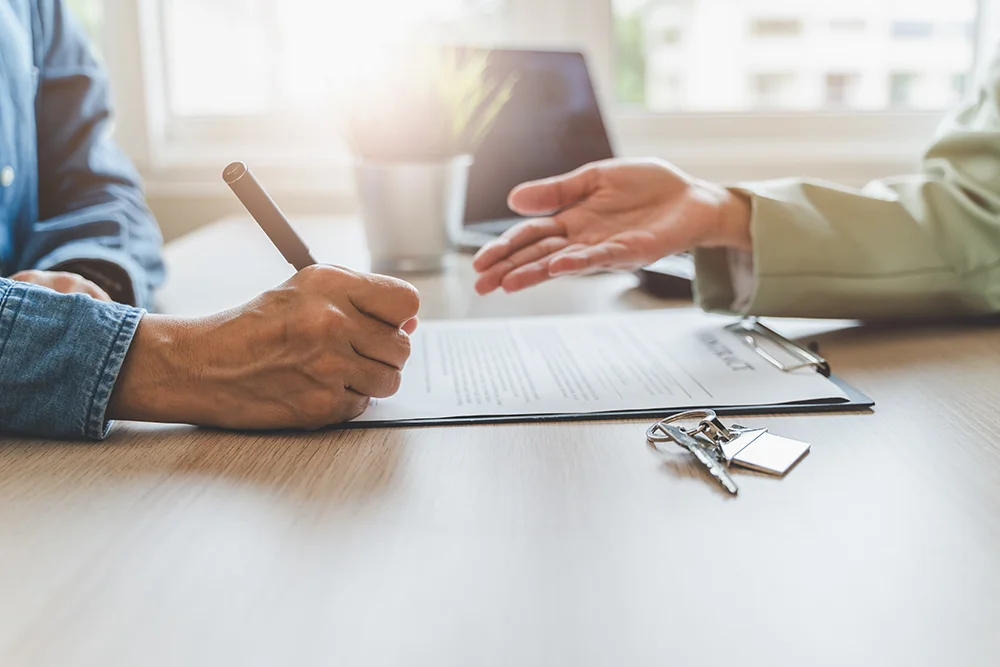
x: 733, y: 230
x: 155, y: 382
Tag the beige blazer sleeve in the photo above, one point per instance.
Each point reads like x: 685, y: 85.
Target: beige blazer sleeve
x: 922, y: 245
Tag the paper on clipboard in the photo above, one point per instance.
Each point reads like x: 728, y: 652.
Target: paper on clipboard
x: 588, y: 365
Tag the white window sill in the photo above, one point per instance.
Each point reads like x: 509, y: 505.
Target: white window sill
x: 847, y: 148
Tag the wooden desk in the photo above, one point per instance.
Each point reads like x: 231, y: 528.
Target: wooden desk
x: 563, y: 544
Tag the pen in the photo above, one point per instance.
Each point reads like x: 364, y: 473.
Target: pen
x: 267, y: 214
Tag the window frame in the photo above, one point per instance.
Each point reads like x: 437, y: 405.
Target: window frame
x: 184, y: 156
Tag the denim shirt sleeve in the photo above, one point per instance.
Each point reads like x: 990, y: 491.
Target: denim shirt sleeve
x: 91, y: 205
x: 59, y: 360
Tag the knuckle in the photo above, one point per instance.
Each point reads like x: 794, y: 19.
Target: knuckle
x: 506, y: 266
x: 401, y: 293
x: 554, y: 243
x: 389, y: 346
x: 329, y: 317
x: 388, y: 383
x: 324, y: 274
x: 404, y: 344
x: 533, y: 226
x: 408, y: 298
x: 324, y: 324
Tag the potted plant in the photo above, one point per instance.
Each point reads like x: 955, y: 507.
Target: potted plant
x: 413, y: 127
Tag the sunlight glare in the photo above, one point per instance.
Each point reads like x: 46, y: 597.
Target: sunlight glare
x: 341, y: 43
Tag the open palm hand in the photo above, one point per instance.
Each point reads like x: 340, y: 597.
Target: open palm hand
x: 615, y: 214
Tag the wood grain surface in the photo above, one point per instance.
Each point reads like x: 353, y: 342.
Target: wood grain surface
x: 555, y: 544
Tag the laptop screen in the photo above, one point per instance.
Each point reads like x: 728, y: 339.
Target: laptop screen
x: 551, y: 125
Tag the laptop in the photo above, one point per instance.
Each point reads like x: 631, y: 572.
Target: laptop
x: 551, y: 125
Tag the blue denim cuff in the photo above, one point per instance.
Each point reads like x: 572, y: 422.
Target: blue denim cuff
x: 98, y: 425
x: 60, y: 356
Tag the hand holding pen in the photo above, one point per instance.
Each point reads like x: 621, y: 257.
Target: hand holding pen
x: 308, y: 353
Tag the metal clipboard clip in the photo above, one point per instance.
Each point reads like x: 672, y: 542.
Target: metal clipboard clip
x: 753, y: 333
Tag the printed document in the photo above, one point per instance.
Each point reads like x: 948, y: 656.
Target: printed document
x: 537, y: 366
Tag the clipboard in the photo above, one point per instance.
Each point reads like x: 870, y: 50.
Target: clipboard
x: 768, y: 344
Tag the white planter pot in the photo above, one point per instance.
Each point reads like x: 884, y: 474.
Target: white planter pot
x: 413, y: 211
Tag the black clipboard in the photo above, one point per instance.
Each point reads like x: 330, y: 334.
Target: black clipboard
x: 755, y: 334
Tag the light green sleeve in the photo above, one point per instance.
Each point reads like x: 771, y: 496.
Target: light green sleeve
x: 923, y: 245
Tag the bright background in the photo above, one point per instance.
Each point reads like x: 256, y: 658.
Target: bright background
x: 730, y: 89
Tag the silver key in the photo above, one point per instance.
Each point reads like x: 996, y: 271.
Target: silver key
x: 703, y: 454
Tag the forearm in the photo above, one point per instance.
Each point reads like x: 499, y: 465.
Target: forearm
x: 116, y: 243
x: 913, y: 247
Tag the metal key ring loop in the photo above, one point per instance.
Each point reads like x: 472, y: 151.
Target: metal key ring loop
x: 709, y: 425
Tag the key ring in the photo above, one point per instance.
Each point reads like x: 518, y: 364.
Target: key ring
x: 709, y: 426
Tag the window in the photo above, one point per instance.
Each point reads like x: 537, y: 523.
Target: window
x: 922, y: 90
x: 902, y: 89
x: 729, y: 47
x: 842, y: 90
x: 956, y: 30
x: 630, y: 61
x: 715, y: 85
x: 671, y: 36
x: 912, y: 29
x: 256, y: 57
x: 959, y: 84
x: 667, y: 91
x: 848, y: 25
x: 774, y: 89
x: 90, y: 13
x: 775, y: 27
